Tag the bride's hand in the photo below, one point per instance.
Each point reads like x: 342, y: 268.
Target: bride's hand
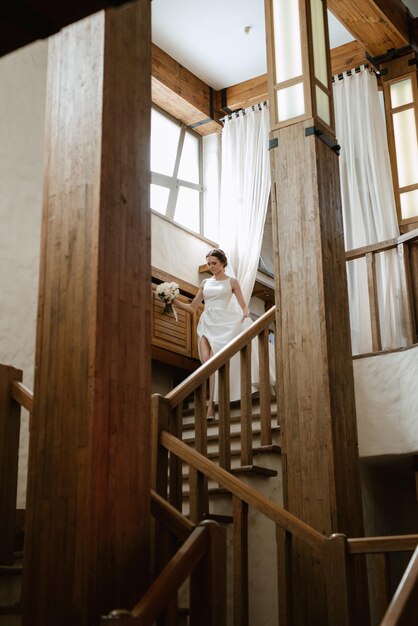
x: 245, y: 313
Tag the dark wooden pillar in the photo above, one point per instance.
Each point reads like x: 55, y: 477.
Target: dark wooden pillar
x: 9, y: 461
x: 87, y: 533
x: 315, y: 374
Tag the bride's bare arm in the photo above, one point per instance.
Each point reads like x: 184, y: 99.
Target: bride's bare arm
x: 192, y: 307
x: 236, y: 289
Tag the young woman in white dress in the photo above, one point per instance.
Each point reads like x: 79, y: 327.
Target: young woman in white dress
x: 222, y: 320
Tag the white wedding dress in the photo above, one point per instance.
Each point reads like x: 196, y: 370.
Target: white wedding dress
x: 220, y: 322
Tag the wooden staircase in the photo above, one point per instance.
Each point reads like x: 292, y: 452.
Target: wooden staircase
x: 262, y: 467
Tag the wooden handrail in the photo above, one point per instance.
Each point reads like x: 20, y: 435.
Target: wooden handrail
x: 242, y: 491
x: 22, y: 395
x: 196, y: 379
x: 170, y: 517
x: 373, y: 545
x: 381, y: 246
x: 172, y: 577
x: 403, y: 610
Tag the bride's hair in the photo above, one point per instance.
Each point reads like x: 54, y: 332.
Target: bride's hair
x: 219, y: 254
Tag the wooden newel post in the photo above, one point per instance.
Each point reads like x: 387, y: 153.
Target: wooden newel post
x: 9, y: 458
x: 335, y: 564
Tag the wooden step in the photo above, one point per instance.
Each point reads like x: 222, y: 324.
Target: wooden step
x: 255, y: 400
x: 234, y: 419
x: 273, y: 449
x: 242, y: 469
x: 221, y: 519
x: 234, y: 435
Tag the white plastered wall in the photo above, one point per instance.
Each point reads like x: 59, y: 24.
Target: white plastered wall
x: 22, y: 116
x: 386, y: 403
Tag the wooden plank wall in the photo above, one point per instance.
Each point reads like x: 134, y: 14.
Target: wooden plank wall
x: 87, y: 536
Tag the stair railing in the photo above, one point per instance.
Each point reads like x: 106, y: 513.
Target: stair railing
x: 199, y: 555
x: 171, y: 407
x: 402, y: 245
x: 337, y: 553
x: 403, y: 610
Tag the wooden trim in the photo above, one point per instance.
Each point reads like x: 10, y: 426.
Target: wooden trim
x: 235, y: 486
x: 22, y: 395
x: 371, y: 545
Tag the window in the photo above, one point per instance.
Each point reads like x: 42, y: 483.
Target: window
x: 176, y: 172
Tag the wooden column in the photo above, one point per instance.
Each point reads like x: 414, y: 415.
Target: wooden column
x: 315, y: 373
x: 87, y: 532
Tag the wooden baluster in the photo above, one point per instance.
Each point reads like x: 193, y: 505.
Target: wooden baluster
x: 265, y: 386
x: 160, y: 420
x: 208, y: 582
x: 199, y: 501
x: 336, y: 572
x: 240, y: 549
x: 163, y: 542
x: 176, y: 465
x: 373, y: 302
x: 381, y: 582
x: 406, y: 290
x: 224, y: 418
x: 9, y: 458
x: 246, y: 407
x: 284, y: 578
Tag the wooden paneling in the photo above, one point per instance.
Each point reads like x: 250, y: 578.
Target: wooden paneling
x: 348, y: 56
x: 181, y: 93
x: 9, y: 459
x: 169, y: 333
x: 87, y: 535
x: 378, y: 24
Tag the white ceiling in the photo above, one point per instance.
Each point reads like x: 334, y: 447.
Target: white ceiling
x: 208, y: 37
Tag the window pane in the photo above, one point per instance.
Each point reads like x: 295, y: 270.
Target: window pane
x: 287, y: 45
x: 159, y: 198
x: 409, y: 204
x: 319, y: 44
x: 322, y: 105
x: 401, y: 93
x: 189, y: 162
x: 406, y: 147
x: 164, y: 142
x: 290, y: 102
x: 187, y: 211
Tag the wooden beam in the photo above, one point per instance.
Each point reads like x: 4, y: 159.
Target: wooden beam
x: 348, y: 56
x: 88, y: 512
x: 380, y: 25
x: 182, y: 94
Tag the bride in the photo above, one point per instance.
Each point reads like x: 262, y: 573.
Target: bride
x: 222, y: 319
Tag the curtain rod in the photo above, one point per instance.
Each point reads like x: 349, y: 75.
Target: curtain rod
x: 238, y: 112
x: 355, y: 70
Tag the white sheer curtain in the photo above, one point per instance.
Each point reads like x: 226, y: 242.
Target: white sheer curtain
x: 245, y: 187
x: 368, y: 206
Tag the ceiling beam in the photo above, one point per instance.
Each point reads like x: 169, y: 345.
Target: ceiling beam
x: 380, y: 25
x: 182, y: 94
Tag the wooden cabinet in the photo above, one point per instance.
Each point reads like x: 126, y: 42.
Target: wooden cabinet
x: 177, y: 336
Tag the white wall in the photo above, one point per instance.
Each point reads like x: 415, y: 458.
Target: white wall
x: 386, y: 403
x: 22, y: 113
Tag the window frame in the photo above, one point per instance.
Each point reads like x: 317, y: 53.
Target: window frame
x: 174, y: 183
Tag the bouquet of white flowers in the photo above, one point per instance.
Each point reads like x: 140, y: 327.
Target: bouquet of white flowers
x: 167, y: 292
